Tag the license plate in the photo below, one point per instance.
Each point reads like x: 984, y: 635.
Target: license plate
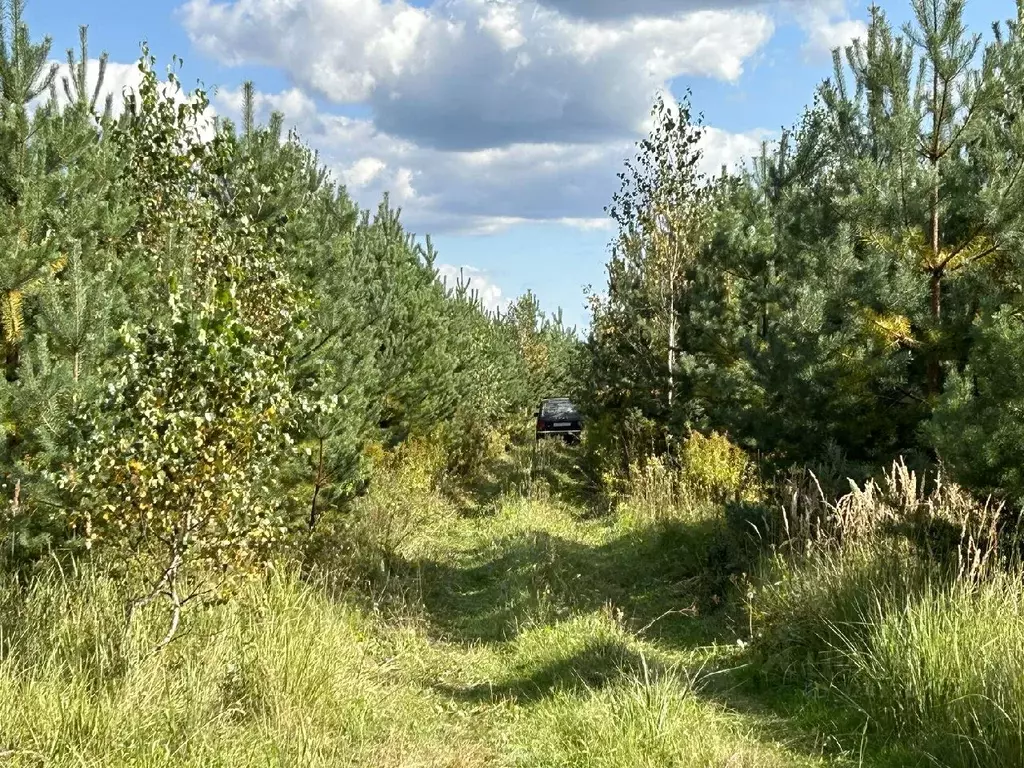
x: 562, y: 424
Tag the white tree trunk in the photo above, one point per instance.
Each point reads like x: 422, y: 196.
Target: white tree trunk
x: 671, y: 338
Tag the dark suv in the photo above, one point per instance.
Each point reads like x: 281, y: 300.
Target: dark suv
x: 557, y: 417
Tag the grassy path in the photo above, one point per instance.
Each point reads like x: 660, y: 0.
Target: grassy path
x: 574, y: 641
x: 526, y: 634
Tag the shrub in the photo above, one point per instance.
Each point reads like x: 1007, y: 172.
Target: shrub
x: 469, y: 445
x: 367, y: 548
x: 718, y: 470
x: 177, y: 473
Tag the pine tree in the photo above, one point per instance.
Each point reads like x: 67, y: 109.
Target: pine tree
x: 977, y: 427
x: 57, y: 299
x: 922, y: 139
x: 76, y: 82
x: 24, y: 75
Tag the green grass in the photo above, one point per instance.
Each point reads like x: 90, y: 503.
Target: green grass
x: 518, y: 630
x: 290, y: 675
x: 931, y: 662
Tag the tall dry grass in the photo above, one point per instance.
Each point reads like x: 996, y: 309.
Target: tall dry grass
x: 904, y: 600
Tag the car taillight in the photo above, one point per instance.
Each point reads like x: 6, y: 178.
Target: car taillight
x: 540, y: 424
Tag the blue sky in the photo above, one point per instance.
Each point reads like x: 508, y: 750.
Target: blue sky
x: 497, y: 125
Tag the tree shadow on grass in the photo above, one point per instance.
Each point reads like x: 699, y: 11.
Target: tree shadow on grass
x: 818, y: 720
x: 542, y: 469
x: 662, y: 583
x: 796, y: 672
x: 600, y: 663
x: 659, y: 580
x: 671, y: 584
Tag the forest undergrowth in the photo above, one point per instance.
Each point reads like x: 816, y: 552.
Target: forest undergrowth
x: 509, y: 624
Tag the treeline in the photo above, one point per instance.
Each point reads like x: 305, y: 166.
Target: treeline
x: 202, y: 335
x: 854, y: 294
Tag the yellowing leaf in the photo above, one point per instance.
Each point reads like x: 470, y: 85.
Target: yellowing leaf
x: 976, y: 248
x: 11, y: 318
x: 889, y: 330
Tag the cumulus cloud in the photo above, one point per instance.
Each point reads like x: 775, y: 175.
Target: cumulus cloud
x: 825, y: 22
x: 612, y: 9
x: 484, y: 113
x: 478, y: 191
x: 470, y: 74
x: 827, y: 25
x: 477, y: 280
x: 293, y: 103
x: 482, y: 190
x: 825, y: 34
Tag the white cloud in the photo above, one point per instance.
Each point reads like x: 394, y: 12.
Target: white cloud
x: 479, y: 191
x: 483, y: 190
x: 618, y: 9
x: 488, y: 190
x: 838, y: 34
x: 731, y: 149
x: 363, y: 171
x: 478, y: 281
x: 485, y: 113
x: 603, y: 223
x: 293, y: 103
x: 117, y: 79
x: 827, y: 25
x: 824, y: 35
x: 471, y: 74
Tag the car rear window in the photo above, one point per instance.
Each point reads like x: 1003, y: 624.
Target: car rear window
x: 556, y: 408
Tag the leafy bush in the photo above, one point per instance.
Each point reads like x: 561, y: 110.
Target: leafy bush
x: 716, y: 469
x: 615, y: 442
x: 177, y: 473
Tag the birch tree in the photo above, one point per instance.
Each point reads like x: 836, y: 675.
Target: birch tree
x: 662, y: 211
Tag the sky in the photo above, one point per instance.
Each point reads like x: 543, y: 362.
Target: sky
x: 497, y: 126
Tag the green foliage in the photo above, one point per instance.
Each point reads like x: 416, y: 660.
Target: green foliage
x: 978, y: 428
x: 828, y: 304
x: 201, y: 333
x: 179, y: 466
x: 548, y: 349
